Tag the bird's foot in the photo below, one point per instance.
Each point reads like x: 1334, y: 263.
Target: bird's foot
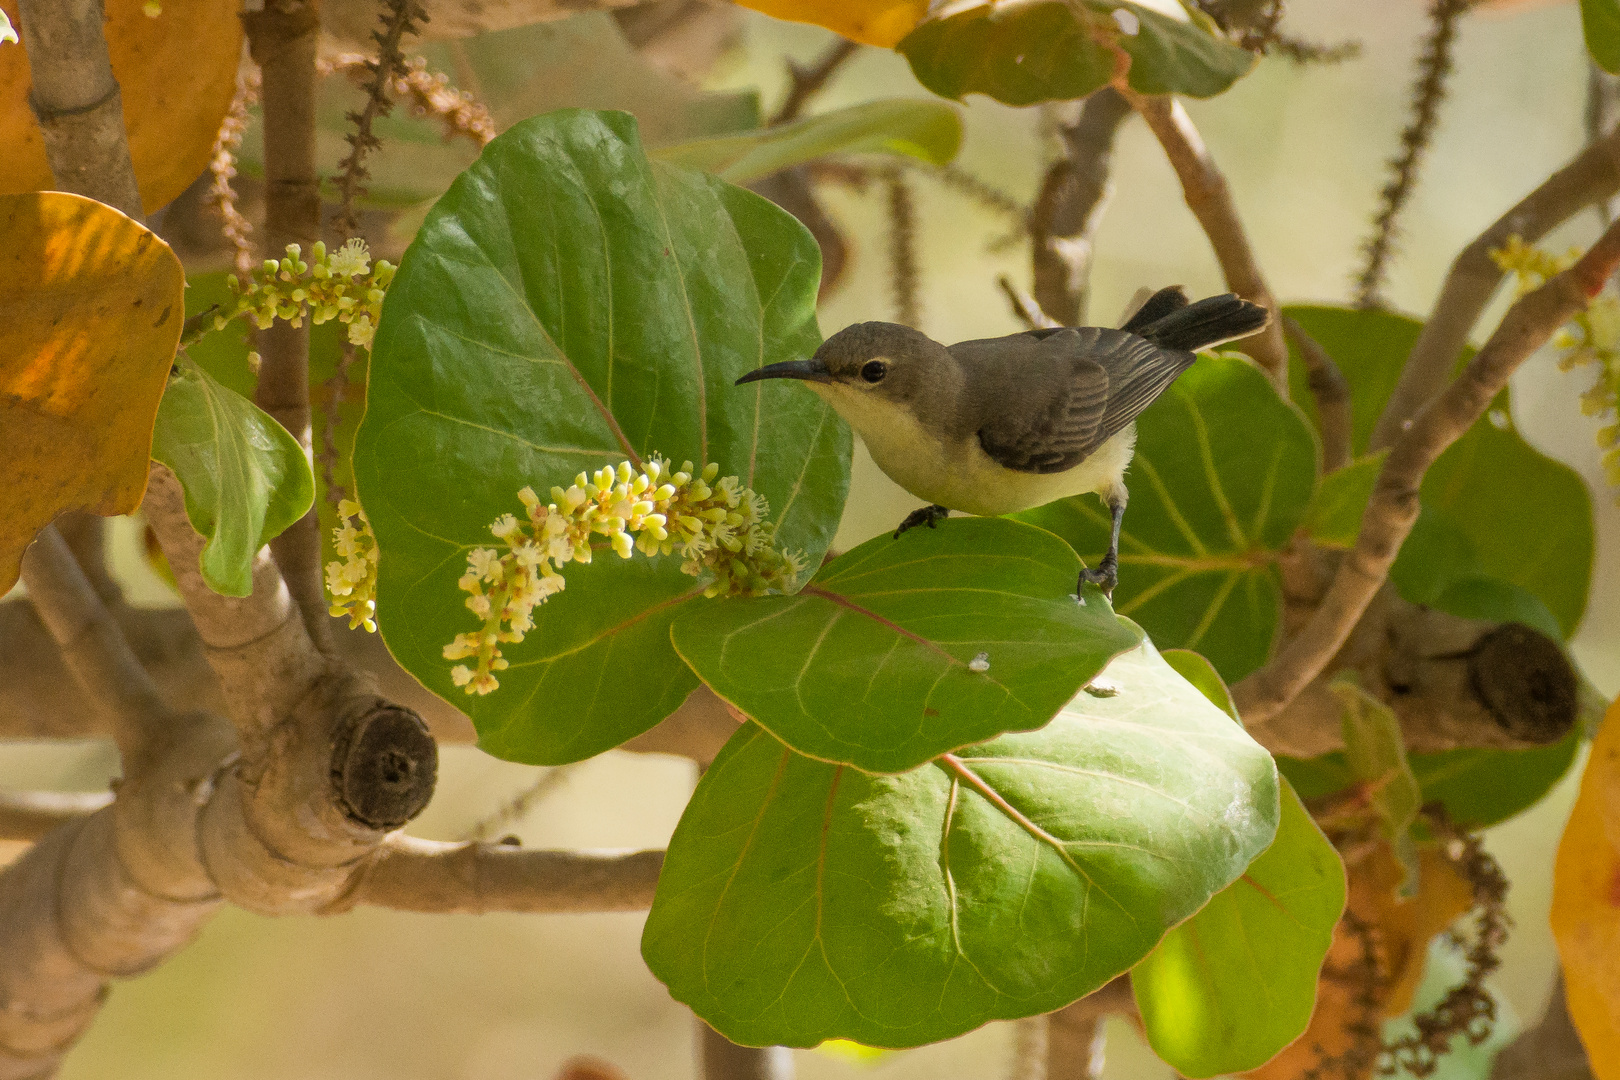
x: 927, y: 515
x: 1105, y: 577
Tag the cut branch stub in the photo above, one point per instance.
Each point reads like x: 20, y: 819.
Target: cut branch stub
x: 1223, y: 475
x: 802, y: 900
x: 903, y: 649
x: 384, y: 764
x: 566, y: 306
x: 1526, y: 681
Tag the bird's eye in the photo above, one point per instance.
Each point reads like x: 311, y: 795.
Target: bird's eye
x: 874, y: 370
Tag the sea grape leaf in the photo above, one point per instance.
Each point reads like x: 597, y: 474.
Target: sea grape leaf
x: 568, y: 305
x: 1223, y: 474
x: 802, y: 900
x: 1021, y: 53
x: 929, y: 131
x: 1473, y: 496
x: 876, y: 662
x: 1375, y: 751
x: 245, y: 477
x: 1600, y: 19
x: 871, y: 22
x: 1334, y: 518
x: 1202, y: 674
x: 94, y: 303
x: 1230, y: 987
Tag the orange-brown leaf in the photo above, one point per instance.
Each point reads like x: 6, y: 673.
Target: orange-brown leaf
x: 871, y: 22
x: 93, y: 309
x: 176, y: 74
x: 1586, y: 903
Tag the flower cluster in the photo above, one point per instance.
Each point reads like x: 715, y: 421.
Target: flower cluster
x: 353, y: 582
x: 1592, y: 338
x: 718, y: 527
x: 342, y: 285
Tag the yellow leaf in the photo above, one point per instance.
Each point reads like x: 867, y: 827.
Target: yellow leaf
x: 871, y: 22
x: 93, y: 308
x: 1586, y: 903
x: 176, y: 74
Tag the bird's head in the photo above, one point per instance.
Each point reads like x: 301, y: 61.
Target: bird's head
x: 868, y: 369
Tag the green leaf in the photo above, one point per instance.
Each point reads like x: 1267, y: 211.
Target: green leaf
x: 1223, y: 473
x: 1021, y: 53
x: 1475, y: 492
x: 1375, y: 751
x: 872, y: 664
x: 1497, y: 601
x: 1202, y: 674
x: 245, y: 477
x: 1334, y: 518
x: 1600, y: 19
x: 930, y: 131
x: 802, y: 900
x: 565, y: 306
x: 1229, y: 988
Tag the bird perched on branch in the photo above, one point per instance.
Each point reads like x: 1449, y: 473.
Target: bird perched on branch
x: 998, y: 425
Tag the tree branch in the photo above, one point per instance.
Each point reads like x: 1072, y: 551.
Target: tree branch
x: 722, y: 1059
x: 1551, y: 1050
x: 29, y: 815
x: 1070, y: 206
x: 808, y: 81
x: 1331, y: 392
x: 1592, y: 177
x: 1074, y: 1038
x: 1211, y: 203
x: 1393, y: 509
x: 1024, y: 307
x: 409, y: 874
x: 93, y: 645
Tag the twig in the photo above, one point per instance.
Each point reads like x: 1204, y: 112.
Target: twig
x: 1304, y: 52
x: 398, y: 19
x: 722, y: 1059
x: 1591, y: 177
x: 428, y: 93
x: 1024, y: 307
x: 29, y: 815
x: 1602, y: 92
x: 1428, y: 92
x: 409, y: 874
x: 1331, y: 391
x: 93, y: 645
x: 222, y: 169
x: 517, y: 807
x: 903, y: 248
x: 1211, y: 203
x: 808, y: 81
x: 1393, y: 509
x: 1070, y: 205
x: 971, y: 186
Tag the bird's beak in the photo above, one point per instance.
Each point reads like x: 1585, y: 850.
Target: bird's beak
x: 811, y: 370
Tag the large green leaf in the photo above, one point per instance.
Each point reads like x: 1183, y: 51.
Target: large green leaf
x: 1024, y: 51
x: 1334, y: 518
x: 1223, y: 473
x: 1474, y: 516
x: 802, y: 900
x: 568, y: 305
x: 1229, y: 988
x: 930, y: 131
x: 1600, y: 19
x: 245, y: 477
x: 901, y: 650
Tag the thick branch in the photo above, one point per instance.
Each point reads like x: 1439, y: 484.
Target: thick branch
x: 29, y: 815
x: 1211, y: 203
x: 282, y: 38
x: 722, y: 1059
x: 1074, y: 1036
x: 93, y: 645
x: 1070, y: 206
x: 1551, y: 1050
x: 409, y: 874
x: 1393, y: 509
x: 1591, y: 178
x: 1331, y: 390
x: 808, y: 81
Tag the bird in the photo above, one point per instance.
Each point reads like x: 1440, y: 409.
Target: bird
x: 998, y: 425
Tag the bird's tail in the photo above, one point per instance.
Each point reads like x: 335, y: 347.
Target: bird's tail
x: 1191, y: 327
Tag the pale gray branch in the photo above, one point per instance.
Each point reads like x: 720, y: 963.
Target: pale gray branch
x: 29, y: 815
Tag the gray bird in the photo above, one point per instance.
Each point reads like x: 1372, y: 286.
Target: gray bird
x: 998, y: 425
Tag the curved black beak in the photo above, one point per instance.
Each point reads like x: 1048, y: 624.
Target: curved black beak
x: 811, y: 370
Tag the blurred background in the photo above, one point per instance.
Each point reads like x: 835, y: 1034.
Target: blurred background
x: 381, y: 994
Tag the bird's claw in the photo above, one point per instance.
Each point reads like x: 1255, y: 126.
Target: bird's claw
x: 1105, y: 577
x: 927, y: 515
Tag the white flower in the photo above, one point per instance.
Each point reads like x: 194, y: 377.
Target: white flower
x: 351, y: 260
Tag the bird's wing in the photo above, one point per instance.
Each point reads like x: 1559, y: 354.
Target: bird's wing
x: 1081, y: 388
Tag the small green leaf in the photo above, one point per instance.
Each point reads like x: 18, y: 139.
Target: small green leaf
x: 802, y: 900
x: 1022, y: 53
x: 1600, y: 19
x: 1202, y: 674
x: 1334, y: 518
x: 1229, y: 988
x: 568, y: 305
x: 877, y: 662
x: 1223, y: 473
x: 1481, y: 786
x: 930, y: 131
x: 1376, y: 753
x: 245, y: 477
